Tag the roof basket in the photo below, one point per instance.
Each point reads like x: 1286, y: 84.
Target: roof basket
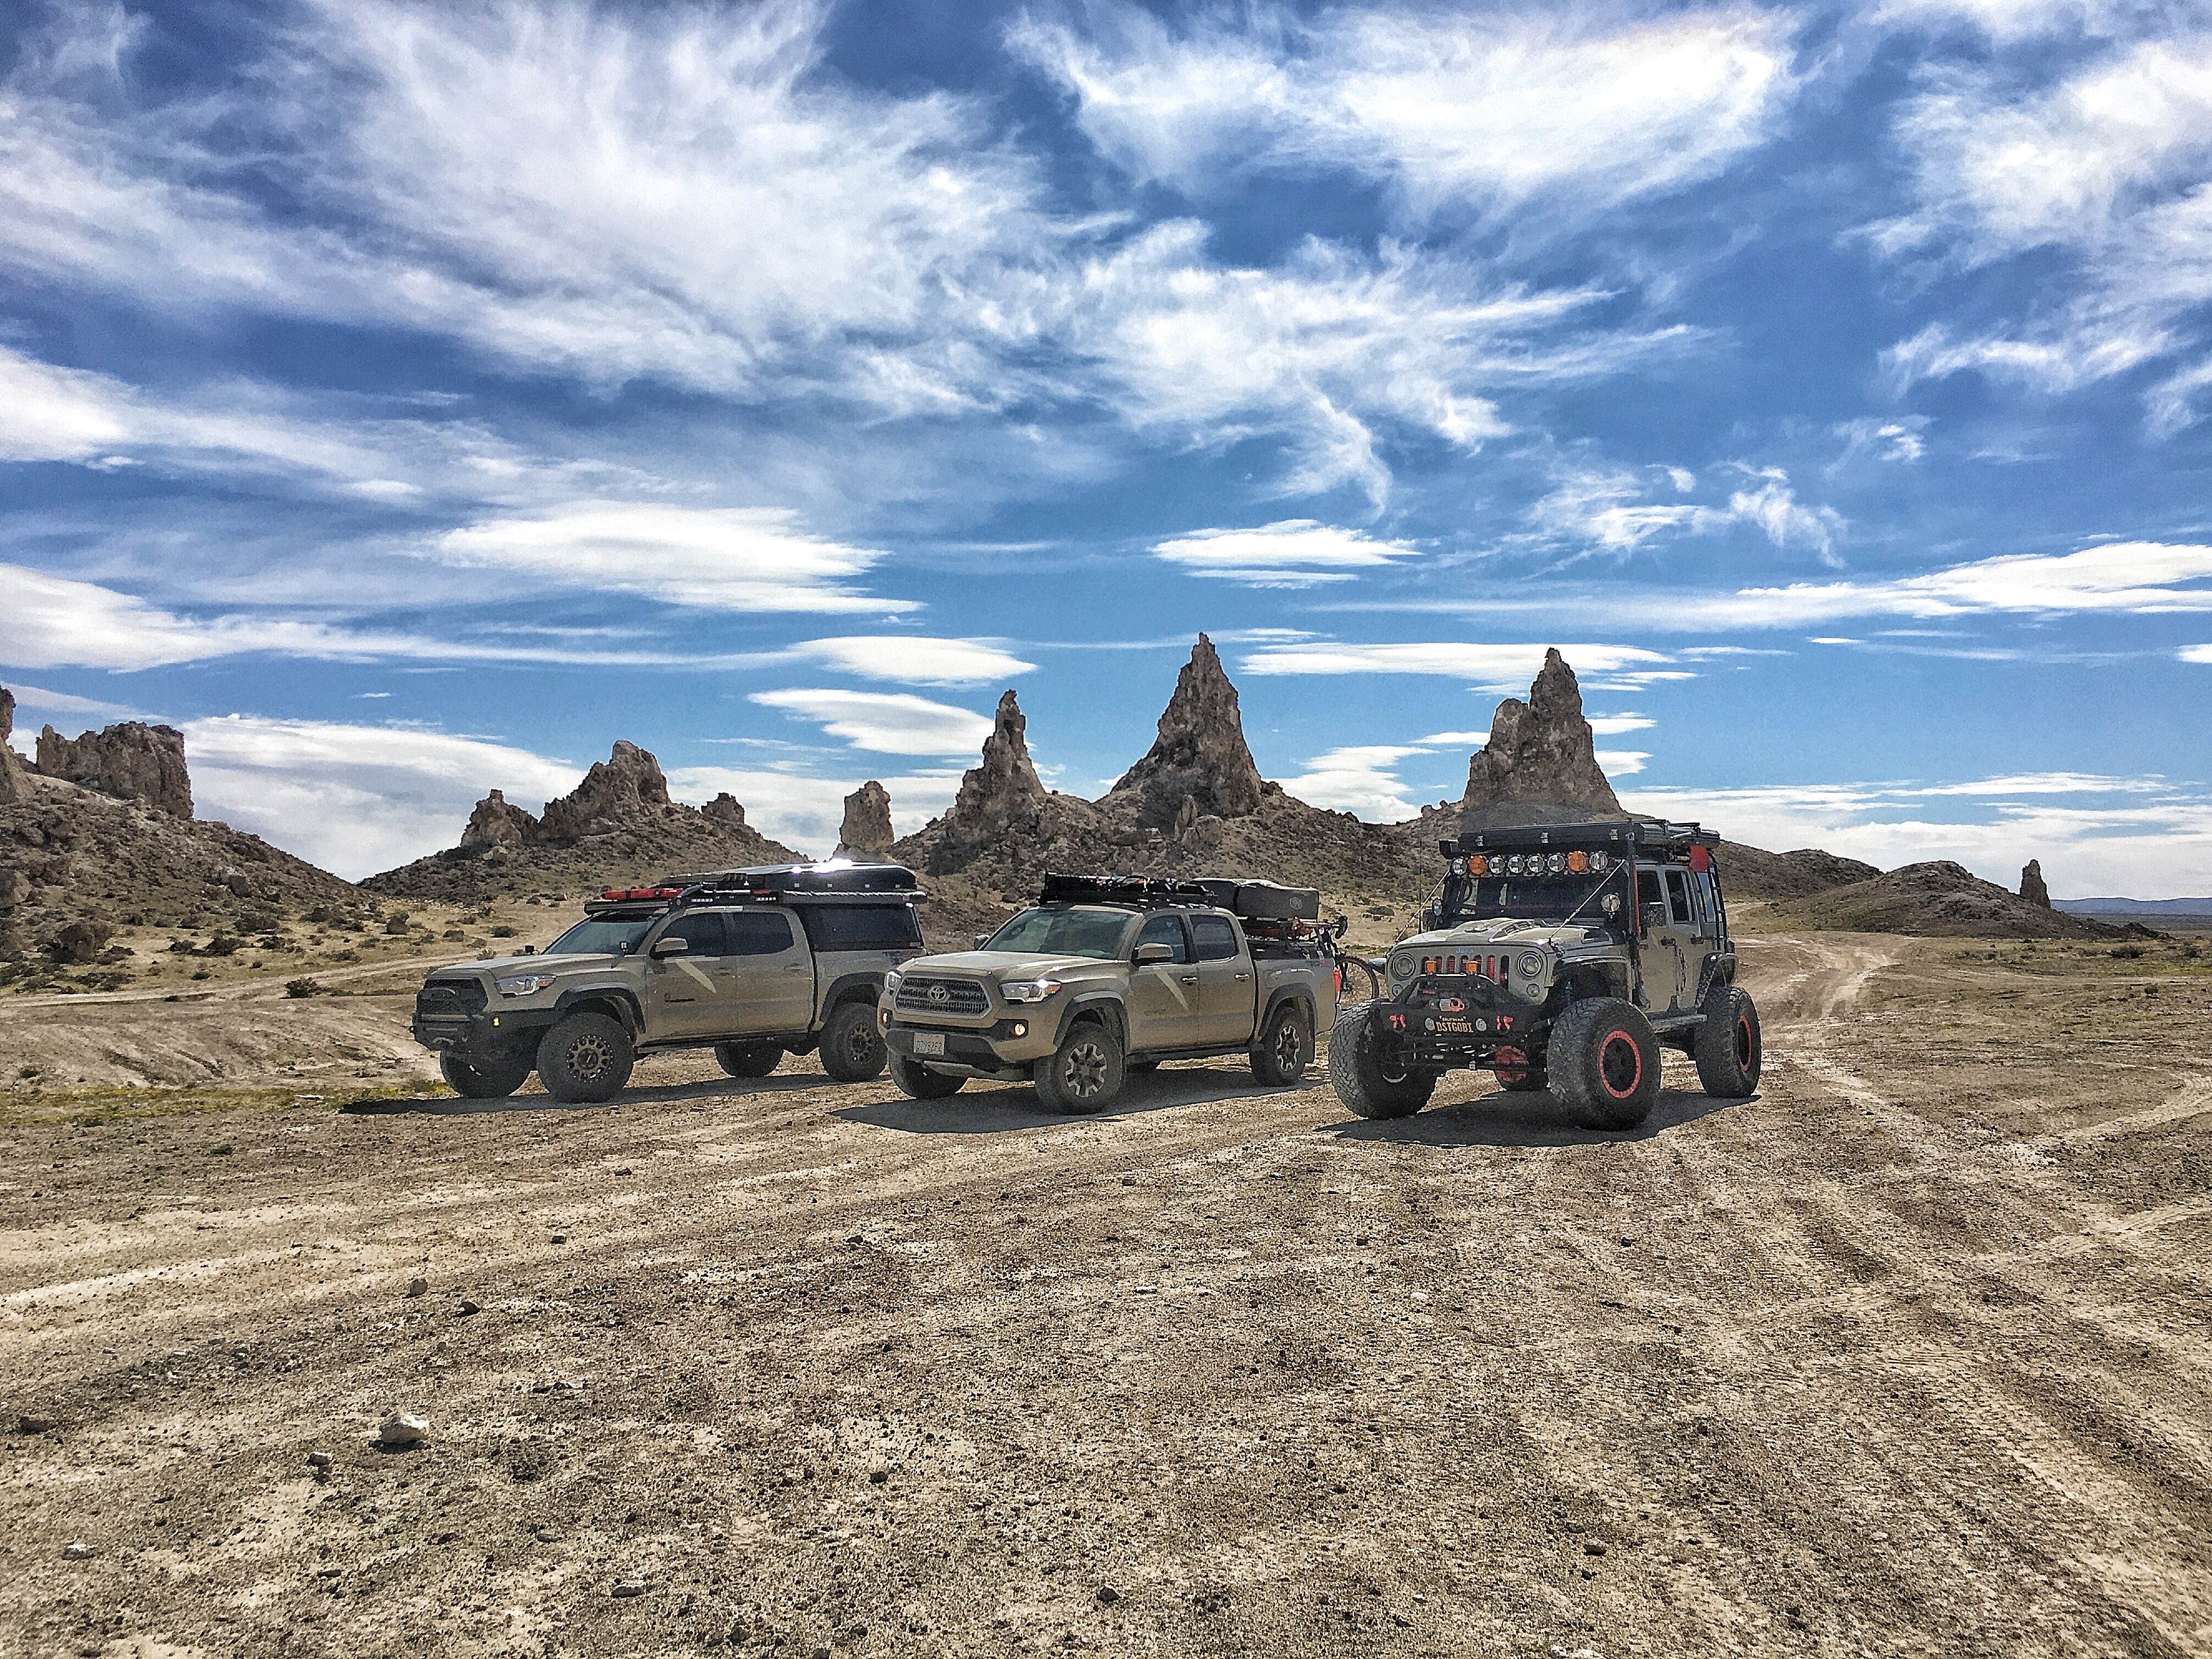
x: 1146, y: 892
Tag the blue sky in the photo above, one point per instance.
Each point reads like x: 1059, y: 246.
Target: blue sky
x: 407, y: 401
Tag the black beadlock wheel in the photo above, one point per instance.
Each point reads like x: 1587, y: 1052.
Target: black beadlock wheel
x: 756, y: 1058
x: 492, y: 1078
x: 1086, y: 1073
x: 1366, y: 1077
x: 918, y: 1082
x: 1279, y: 1057
x: 1603, y: 1063
x: 852, y: 1043
x: 587, y: 1058
x: 1728, y: 1049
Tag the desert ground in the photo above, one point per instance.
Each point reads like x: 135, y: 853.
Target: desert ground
x: 1909, y: 1353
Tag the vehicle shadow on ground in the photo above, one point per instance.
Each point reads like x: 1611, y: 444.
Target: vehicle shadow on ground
x: 1529, y: 1120
x: 676, y: 1094
x: 989, y: 1108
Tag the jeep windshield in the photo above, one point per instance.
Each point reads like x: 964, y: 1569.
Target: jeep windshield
x: 1594, y: 899
x: 1095, y: 933
x: 594, y: 936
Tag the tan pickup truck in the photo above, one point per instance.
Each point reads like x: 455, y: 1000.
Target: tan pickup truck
x: 1108, y: 975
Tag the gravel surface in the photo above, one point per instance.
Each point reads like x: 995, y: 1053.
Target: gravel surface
x: 1908, y: 1354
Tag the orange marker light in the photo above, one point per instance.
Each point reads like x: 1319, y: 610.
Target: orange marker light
x: 1577, y: 863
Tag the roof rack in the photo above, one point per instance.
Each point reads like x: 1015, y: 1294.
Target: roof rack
x: 1654, y: 835
x: 1143, y: 892
x: 771, y: 884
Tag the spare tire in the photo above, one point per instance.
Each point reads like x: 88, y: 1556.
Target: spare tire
x: 755, y: 1058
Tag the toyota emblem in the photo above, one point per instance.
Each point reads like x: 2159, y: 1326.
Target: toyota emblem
x: 938, y: 995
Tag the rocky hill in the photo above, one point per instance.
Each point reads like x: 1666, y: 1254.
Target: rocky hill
x: 1940, y: 899
x: 616, y: 828
x: 1752, y: 873
x: 113, y: 844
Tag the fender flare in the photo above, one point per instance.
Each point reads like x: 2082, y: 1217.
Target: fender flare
x: 1294, y: 994
x: 624, y: 999
x: 860, y: 986
x: 1104, y: 1003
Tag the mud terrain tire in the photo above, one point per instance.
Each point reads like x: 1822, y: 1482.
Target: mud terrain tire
x: 1603, y: 1061
x: 756, y: 1059
x: 1285, y: 1050
x: 852, y: 1043
x: 1357, y: 1075
x: 1729, y: 1049
x: 1086, y: 1073
x: 917, y: 1082
x: 586, y: 1059
x: 484, y: 1079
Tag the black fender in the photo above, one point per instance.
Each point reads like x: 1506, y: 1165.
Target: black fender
x: 1294, y: 994
x: 619, y: 998
x: 1105, y: 1004
x: 849, y: 988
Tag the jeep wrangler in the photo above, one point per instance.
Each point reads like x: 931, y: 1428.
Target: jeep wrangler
x: 1563, y: 956
x: 756, y: 963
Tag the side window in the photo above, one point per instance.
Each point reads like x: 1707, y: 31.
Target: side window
x: 700, y: 929
x: 1168, y: 931
x: 861, y: 927
x: 1678, y: 896
x: 1647, y: 889
x: 1708, y: 913
x: 1217, y: 940
x: 759, y: 932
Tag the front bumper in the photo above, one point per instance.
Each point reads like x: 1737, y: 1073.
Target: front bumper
x: 491, y: 1031
x: 1461, y: 1019
x: 1012, y: 1044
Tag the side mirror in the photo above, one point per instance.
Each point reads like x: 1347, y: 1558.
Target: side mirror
x: 983, y: 940
x: 1149, y: 954
x: 671, y: 947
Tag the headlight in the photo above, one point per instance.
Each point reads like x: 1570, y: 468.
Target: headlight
x: 1029, y: 990
x: 890, y: 985
x: 1402, y: 967
x: 523, y: 984
x: 1532, y: 963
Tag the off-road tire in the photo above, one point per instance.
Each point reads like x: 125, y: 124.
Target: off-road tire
x: 1603, y: 1062
x: 484, y: 1079
x: 917, y: 1082
x: 1359, y: 1076
x: 755, y: 1059
x: 1524, y: 1078
x: 1285, y: 1050
x: 1729, y: 1051
x: 852, y: 1043
x: 586, y: 1059
x: 1086, y: 1073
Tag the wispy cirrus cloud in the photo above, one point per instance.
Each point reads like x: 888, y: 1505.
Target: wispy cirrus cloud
x: 884, y: 722
x: 1292, y: 553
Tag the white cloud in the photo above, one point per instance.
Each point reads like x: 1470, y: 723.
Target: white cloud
x: 1293, y: 553
x: 916, y: 661
x: 1455, y: 111
x: 356, y: 798
x: 1454, y: 740
x: 1362, y: 781
x: 2009, y: 22
x: 1622, y: 763
x: 746, y: 559
x: 1486, y: 663
x: 1605, y: 508
x: 2196, y: 653
x: 887, y: 723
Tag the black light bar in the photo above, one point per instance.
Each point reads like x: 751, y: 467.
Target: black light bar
x: 1621, y: 837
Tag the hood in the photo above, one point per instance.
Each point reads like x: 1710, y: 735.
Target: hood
x: 498, y: 966
x: 1001, y: 964
x: 1505, y: 932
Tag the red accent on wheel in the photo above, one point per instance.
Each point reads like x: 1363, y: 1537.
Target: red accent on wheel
x: 1606, y: 1066
x: 1509, y: 1066
x: 1745, y: 1047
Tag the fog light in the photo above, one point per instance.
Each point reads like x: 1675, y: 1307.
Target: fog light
x: 1020, y: 1029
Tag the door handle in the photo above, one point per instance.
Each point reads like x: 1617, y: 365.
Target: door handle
x: 1240, y: 978
x: 1190, y: 979
x: 799, y: 968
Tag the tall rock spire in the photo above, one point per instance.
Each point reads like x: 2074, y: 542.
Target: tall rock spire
x: 1004, y: 790
x: 867, y: 829
x: 1200, y: 763
x: 1540, y: 763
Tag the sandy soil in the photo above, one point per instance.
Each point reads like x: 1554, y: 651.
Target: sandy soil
x: 1908, y: 1354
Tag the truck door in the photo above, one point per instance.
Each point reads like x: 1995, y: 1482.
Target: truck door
x: 1163, y: 1000
x: 683, y: 999
x: 769, y: 976
x: 1227, y: 1003
x: 1682, y: 944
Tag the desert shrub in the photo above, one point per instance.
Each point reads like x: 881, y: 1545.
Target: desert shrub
x: 503, y: 933
x: 304, y: 988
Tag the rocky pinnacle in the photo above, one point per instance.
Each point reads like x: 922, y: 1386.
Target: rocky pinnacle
x: 868, y: 830
x: 2031, y: 886
x: 1540, y: 762
x: 1200, y: 763
x: 131, y: 761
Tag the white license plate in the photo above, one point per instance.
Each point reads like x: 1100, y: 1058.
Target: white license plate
x: 929, y: 1043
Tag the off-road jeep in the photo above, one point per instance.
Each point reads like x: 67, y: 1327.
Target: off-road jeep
x: 1107, y: 974
x: 754, y: 962
x: 1562, y: 957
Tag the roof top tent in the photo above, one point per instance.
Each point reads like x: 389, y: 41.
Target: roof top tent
x: 1650, y: 837
x: 1142, y: 892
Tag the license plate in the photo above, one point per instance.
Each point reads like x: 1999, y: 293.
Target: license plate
x: 929, y: 1043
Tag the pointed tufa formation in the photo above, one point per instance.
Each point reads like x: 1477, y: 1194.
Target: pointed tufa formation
x: 1540, y: 763
x: 2031, y: 886
x: 615, y: 793
x: 1003, y: 792
x: 1199, y: 765
x: 496, y: 823
x: 131, y: 761
x: 868, y: 830
x: 11, y: 782
x: 725, y: 812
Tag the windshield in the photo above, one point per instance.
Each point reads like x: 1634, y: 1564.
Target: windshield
x: 600, y: 935
x: 1533, y: 898
x: 1063, y: 933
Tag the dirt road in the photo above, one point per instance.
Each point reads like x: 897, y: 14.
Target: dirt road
x: 1907, y: 1354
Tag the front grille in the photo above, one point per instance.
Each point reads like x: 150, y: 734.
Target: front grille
x: 927, y: 995
x: 450, y: 999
